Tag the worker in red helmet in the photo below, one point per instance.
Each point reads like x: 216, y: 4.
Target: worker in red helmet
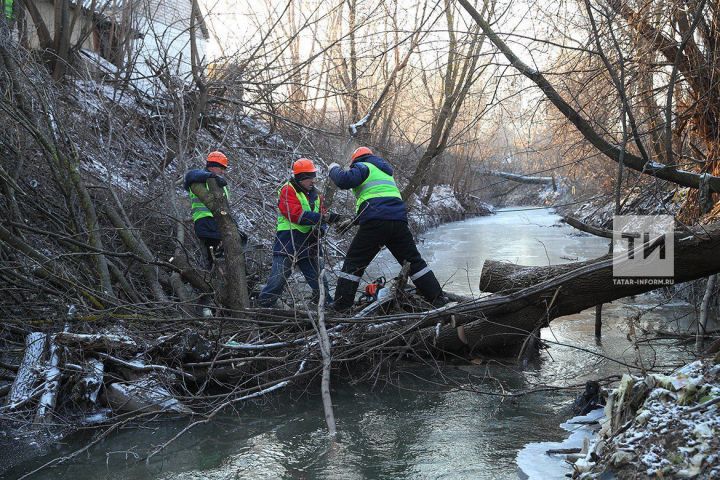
x: 300, y: 224
x: 206, y: 227
x: 382, y: 216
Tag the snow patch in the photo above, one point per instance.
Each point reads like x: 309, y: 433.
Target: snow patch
x: 534, y: 461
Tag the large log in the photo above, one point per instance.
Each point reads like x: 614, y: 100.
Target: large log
x: 515, y: 177
x: 27, y: 376
x: 53, y: 375
x: 145, y: 394
x: 97, y: 342
x: 505, y: 277
x: 533, y: 296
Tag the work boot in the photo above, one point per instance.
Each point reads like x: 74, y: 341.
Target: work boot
x: 344, y: 295
x: 430, y: 289
x: 332, y: 311
x: 315, y: 297
x: 440, y: 301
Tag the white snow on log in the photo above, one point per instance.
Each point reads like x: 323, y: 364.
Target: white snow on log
x: 144, y: 394
x: 51, y: 385
x: 141, y: 366
x: 92, y: 381
x: 98, y: 417
x: 520, y: 178
x: 654, y: 166
x: 27, y: 373
x: 105, y: 341
x: 354, y: 127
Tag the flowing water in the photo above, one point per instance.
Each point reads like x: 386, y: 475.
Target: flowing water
x: 451, y: 422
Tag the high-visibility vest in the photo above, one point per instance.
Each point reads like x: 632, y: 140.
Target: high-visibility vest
x: 284, y: 224
x: 198, y: 208
x: 377, y: 184
x: 8, y: 10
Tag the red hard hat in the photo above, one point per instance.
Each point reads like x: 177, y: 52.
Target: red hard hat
x: 359, y: 152
x: 218, y: 157
x: 303, y: 165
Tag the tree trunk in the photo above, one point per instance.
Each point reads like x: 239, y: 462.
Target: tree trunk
x: 62, y: 39
x: 236, y: 294
x: 92, y: 225
x: 500, y: 321
x: 523, y: 178
x: 51, y: 385
x: 704, y: 309
x: 664, y: 172
x: 136, y: 245
x: 27, y: 374
x: 42, y: 30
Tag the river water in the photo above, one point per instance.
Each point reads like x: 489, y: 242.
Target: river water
x: 427, y: 422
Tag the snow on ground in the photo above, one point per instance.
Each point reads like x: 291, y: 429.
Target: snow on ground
x: 96, y: 97
x: 536, y: 464
x: 658, y: 426
x: 443, y: 207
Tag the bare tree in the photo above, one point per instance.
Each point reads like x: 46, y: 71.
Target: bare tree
x: 460, y: 74
x: 663, y: 171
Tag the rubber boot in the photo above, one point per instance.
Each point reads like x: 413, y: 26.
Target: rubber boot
x: 430, y: 289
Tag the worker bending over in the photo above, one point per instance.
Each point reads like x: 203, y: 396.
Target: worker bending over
x: 382, y: 216
x: 300, y: 224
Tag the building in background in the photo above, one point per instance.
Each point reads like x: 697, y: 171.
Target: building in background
x: 139, y: 38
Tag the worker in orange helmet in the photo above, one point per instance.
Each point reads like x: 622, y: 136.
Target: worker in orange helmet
x: 382, y: 216
x: 206, y: 227
x: 300, y: 224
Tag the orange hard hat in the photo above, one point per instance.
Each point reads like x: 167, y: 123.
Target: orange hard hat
x: 218, y: 157
x: 359, y: 152
x: 304, y: 165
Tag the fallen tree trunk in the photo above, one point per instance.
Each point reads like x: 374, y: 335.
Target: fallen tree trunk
x: 27, y: 376
x: 145, y: 394
x: 535, y: 295
x: 99, y: 342
x: 584, y: 227
x: 523, y: 178
x: 53, y: 375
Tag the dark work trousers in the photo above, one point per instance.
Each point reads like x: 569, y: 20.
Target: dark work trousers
x: 368, y: 241
x: 216, y: 245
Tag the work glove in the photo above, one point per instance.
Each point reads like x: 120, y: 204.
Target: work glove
x: 333, y: 165
x: 331, y: 218
x: 344, y: 224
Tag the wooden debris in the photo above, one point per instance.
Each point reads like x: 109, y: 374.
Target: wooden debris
x: 27, y: 376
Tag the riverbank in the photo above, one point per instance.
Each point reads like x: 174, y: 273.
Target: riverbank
x: 656, y: 426
x: 382, y: 391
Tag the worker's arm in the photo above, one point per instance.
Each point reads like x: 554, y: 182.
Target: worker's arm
x: 350, y: 178
x: 291, y: 208
x: 201, y: 176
